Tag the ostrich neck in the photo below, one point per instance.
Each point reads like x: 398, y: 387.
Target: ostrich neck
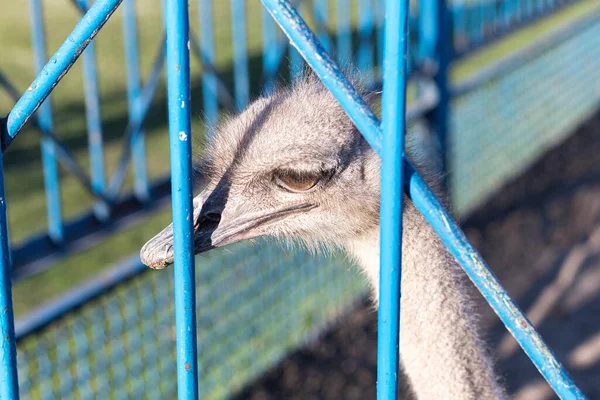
x: 441, y: 351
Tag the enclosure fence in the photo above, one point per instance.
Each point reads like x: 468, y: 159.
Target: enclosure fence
x: 125, y: 356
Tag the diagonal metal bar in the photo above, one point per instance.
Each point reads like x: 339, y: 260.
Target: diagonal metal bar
x: 85, y: 30
x: 426, y: 202
x: 63, y: 154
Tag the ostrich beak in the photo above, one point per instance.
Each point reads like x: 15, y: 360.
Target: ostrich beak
x: 216, y: 224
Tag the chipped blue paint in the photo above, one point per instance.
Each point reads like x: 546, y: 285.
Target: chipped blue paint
x: 425, y: 200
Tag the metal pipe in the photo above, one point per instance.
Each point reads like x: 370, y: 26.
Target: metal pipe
x: 269, y: 50
x: 44, y: 118
x: 9, y: 382
x: 93, y: 119
x: 321, y: 15
x: 393, y: 126
x: 85, y: 30
x: 209, y: 79
x: 344, y: 32
x: 365, y: 37
x: 240, y: 54
x: 138, y: 140
x: 425, y: 200
x: 179, y: 103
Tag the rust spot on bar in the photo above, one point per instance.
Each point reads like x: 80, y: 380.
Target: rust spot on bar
x: 188, y: 366
x: 523, y: 324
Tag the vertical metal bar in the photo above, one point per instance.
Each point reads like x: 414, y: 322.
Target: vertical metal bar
x: 209, y: 79
x: 138, y: 140
x: 93, y: 120
x: 365, y: 36
x: 295, y: 64
x: 321, y: 13
x: 179, y: 101
x: 393, y: 126
x: 50, y: 165
x: 270, y: 53
x: 444, y: 54
x: 344, y: 32
x: 428, y: 29
x: 380, y: 16
x: 94, y: 126
x: 9, y: 382
x: 240, y: 55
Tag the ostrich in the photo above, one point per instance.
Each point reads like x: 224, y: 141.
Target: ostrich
x: 294, y: 167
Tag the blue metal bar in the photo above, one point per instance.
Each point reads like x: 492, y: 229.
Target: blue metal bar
x: 44, y: 117
x: 93, y: 119
x: 179, y: 101
x: 94, y: 126
x: 209, y: 79
x: 487, y: 283
x: 365, y: 37
x: 428, y: 29
x: 321, y: 14
x: 9, y: 382
x: 85, y: 30
x: 296, y: 64
x: 344, y: 32
x: 138, y: 140
x: 240, y: 55
x: 393, y: 126
x: 380, y: 24
x: 443, y: 56
x: 270, y: 50
x: 425, y: 200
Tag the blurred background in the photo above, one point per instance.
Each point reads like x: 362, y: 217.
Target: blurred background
x: 522, y: 153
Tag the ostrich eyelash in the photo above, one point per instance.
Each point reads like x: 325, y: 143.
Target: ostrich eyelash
x: 299, y: 181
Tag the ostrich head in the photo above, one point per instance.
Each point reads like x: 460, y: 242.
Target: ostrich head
x: 290, y: 166
x: 293, y: 166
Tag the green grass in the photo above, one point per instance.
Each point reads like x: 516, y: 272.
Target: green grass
x: 23, y: 171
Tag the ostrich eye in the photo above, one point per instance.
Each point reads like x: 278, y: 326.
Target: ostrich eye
x: 297, y: 181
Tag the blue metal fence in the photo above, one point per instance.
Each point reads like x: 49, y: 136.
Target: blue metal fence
x: 77, y: 346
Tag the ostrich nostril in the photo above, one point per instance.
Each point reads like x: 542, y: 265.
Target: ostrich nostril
x: 208, y: 221
x: 213, y: 217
